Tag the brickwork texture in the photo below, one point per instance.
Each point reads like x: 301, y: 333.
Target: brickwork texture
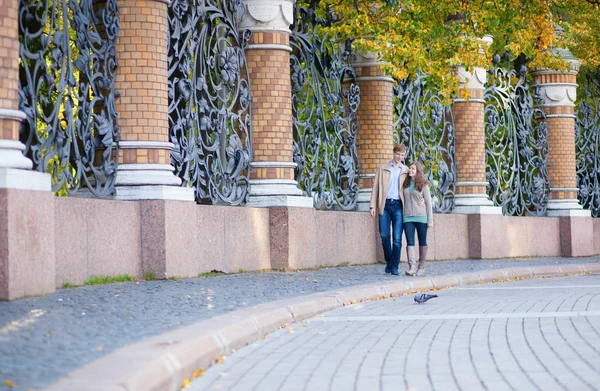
x: 470, y: 143
x: 9, y: 66
x: 142, y: 78
x: 271, y: 105
x: 376, y: 117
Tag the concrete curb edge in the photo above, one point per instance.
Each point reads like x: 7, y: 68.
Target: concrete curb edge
x: 164, y: 361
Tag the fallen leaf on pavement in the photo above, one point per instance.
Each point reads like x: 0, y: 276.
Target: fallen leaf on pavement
x: 220, y: 359
x: 8, y: 383
x: 290, y: 331
x: 198, y: 373
x: 186, y: 383
x: 100, y: 348
x: 222, y: 374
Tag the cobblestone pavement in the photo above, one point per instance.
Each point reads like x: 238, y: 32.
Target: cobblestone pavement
x: 44, y: 338
x: 541, y: 334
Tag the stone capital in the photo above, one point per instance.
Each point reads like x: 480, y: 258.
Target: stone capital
x: 268, y: 15
x: 473, y: 81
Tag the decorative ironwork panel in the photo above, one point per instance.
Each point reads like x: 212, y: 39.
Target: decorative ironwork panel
x: 325, y: 98
x: 587, y: 141
x: 209, y: 99
x: 426, y: 126
x: 66, y: 79
x: 516, y: 141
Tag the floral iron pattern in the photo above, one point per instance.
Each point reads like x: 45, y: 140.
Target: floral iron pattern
x: 66, y: 89
x: 209, y: 99
x: 587, y: 142
x: 516, y: 139
x: 426, y: 126
x: 325, y: 98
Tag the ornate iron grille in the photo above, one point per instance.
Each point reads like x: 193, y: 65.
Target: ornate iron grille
x: 325, y: 98
x: 209, y: 99
x: 66, y: 81
x: 516, y: 140
x: 426, y: 126
x: 587, y: 141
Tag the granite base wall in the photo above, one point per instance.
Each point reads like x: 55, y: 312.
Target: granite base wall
x: 68, y: 240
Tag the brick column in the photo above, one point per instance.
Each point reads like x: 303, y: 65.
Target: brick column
x: 469, y: 124
x: 272, y: 180
x: 26, y: 202
x: 145, y: 170
x: 375, y: 137
x: 558, y: 91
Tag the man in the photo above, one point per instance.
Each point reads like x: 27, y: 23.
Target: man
x: 387, y: 199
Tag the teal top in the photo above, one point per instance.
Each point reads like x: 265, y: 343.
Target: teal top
x: 414, y: 219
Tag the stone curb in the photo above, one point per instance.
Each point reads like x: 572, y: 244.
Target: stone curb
x: 163, y: 362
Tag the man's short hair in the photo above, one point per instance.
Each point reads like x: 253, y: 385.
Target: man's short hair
x: 399, y: 148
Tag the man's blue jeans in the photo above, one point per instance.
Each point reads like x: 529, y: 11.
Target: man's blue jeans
x: 392, y: 244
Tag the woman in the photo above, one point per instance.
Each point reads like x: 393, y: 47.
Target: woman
x: 416, y: 217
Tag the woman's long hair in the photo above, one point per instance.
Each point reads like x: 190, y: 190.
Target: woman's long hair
x: 420, y: 179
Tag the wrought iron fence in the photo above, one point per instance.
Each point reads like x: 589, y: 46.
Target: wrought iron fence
x: 587, y: 141
x: 426, y: 126
x: 209, y: 99
x: 516, y: 140
x: 66, y: 89
x: 325, y: 98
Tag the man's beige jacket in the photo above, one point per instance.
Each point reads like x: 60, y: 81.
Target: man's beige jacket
x: 381, y: 184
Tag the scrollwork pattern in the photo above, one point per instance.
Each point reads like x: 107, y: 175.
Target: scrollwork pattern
x: 587, y: 142
x: 516, y: 138
x: 426, y: 126
x: 209, y: 99
x: 325, y: 99
x: 66, y: 89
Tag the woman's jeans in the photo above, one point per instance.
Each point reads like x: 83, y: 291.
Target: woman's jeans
x: 392, y: 214
x: 409, y: 231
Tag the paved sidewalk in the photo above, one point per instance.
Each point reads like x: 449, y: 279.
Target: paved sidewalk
x: 540, y: 334
x: 42, y: 339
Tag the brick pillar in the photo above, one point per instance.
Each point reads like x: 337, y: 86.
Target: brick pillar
x: 145, y: 170
x: 375, y: 137
x: 558, y: 91
x: 26, y: 202
x: 272, y: 180
x: 469, y: 125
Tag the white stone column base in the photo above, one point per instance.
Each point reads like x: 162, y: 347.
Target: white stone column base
x: 277, y: 192
x: 11, y: 178
x: 567, y: 208
x: 154, y: 192
x: 475, y: 204
x: 11, y: 155
x: 364, y: 200
x: 150, y: 182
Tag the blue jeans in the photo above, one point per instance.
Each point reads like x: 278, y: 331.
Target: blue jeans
x: 392, y: 214
x: 409, y: 231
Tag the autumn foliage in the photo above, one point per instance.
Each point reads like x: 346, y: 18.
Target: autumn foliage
x: 437, y: 35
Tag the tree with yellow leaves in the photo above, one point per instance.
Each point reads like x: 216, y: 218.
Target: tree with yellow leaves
x: 436, y: 36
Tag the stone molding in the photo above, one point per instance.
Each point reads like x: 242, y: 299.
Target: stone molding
x: 370, y: 59
x: 273, y: 164
x: 12, y: 114
x: 146, y: 145
x: 266, y: 15
x: 558, y: 94
x: 269, y: 46
x: 472, y: 81
x: 11, y: 155
x: 375, y: 78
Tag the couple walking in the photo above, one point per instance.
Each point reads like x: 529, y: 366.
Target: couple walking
x: 401, y: 198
